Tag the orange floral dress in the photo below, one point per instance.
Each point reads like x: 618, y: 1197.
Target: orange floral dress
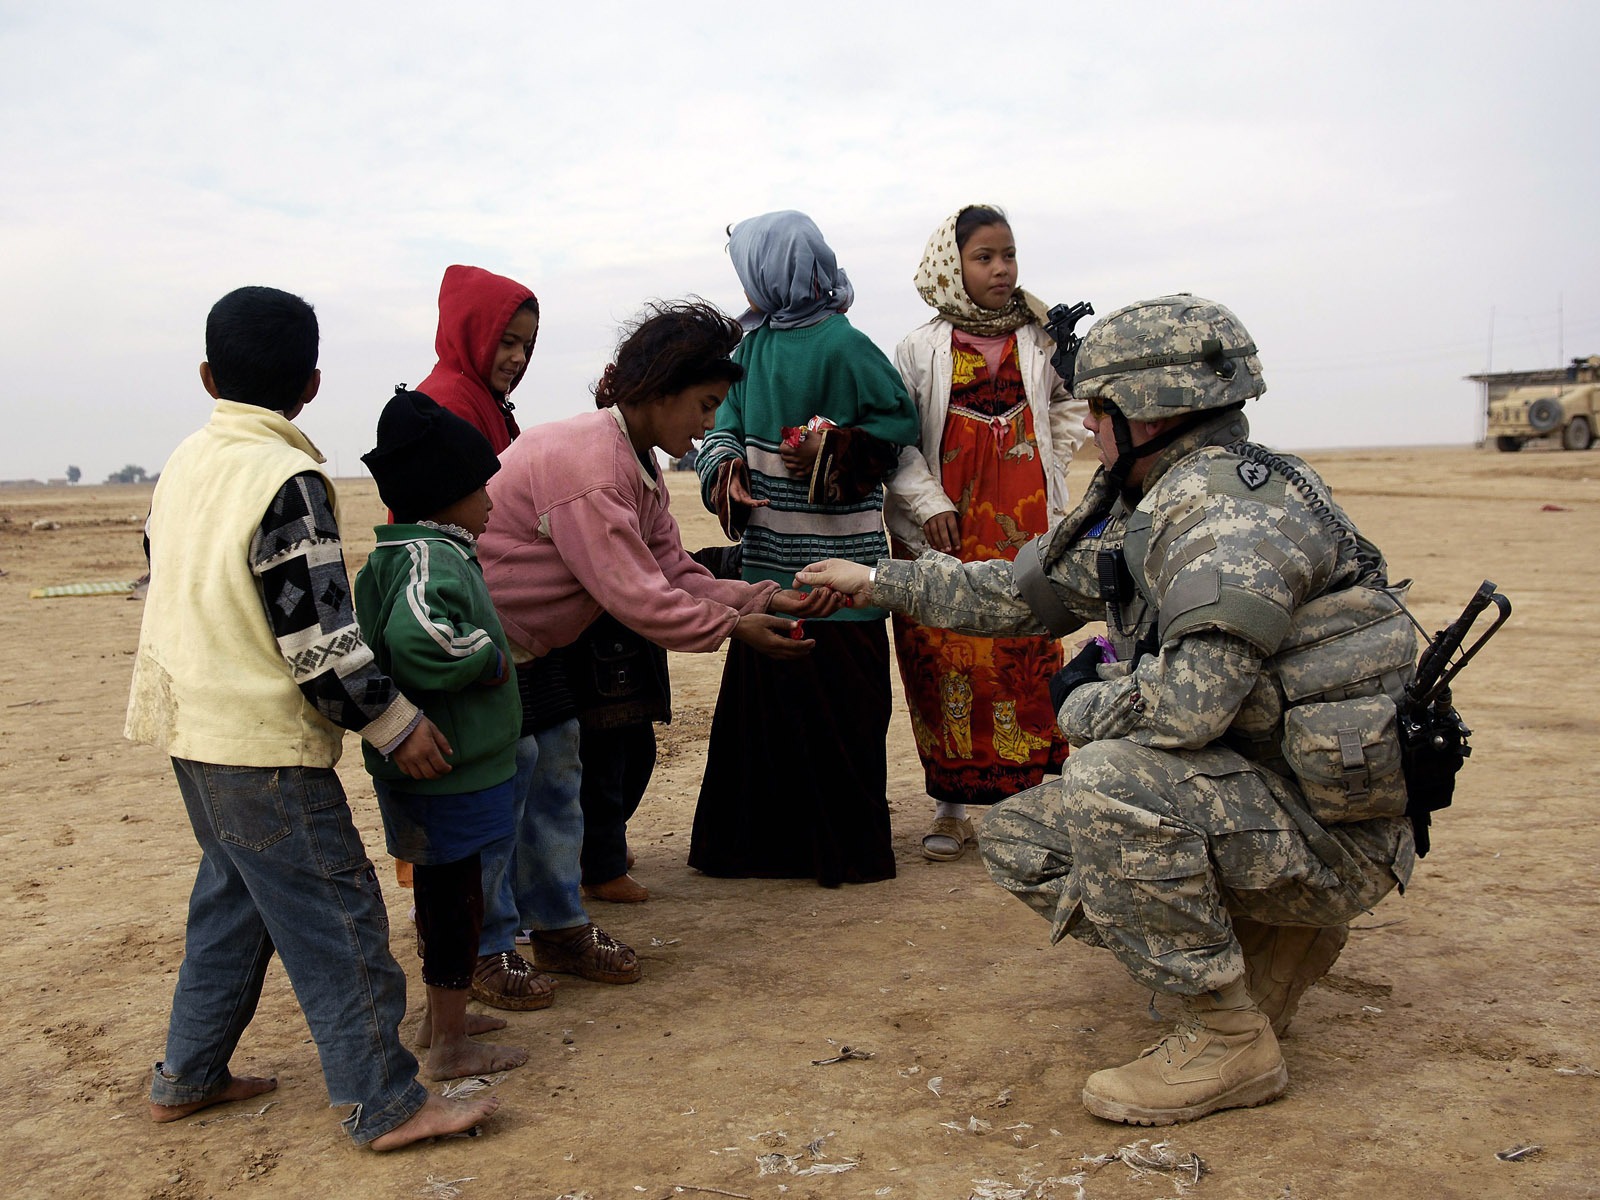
x: 980, y: 707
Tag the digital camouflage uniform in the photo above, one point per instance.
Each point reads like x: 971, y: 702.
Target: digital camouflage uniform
x: 1176, y: 811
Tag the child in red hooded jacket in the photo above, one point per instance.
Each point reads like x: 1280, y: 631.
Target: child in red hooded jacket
x: 487, y: 327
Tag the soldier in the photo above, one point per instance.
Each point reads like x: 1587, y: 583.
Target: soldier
x: 1234, y: 795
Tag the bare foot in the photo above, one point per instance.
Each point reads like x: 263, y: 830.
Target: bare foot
x: 477, y: 1023
x: 437, y: 1118
x: 473, y: 1058
x: 238, y: 1087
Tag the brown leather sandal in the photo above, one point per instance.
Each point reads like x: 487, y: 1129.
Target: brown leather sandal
x: 587, y: 951
x: 507, y: 980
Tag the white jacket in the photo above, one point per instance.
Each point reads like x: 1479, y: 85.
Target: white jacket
x: 915, y: 493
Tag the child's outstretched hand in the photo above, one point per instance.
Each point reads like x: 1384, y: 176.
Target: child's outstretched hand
x: 773, y: 636
x: 738, y: 478
x: 823, y: 602
x: 422, y: 754
x: 839, y: 575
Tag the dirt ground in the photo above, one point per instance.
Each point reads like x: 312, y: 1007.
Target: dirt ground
x: 1461, y: 1020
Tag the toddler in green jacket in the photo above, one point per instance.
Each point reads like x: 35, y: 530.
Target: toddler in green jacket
x: 425, y: 612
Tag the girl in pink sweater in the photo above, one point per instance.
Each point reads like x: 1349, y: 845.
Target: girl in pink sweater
x: 582, y: 520
x: 582, y: 524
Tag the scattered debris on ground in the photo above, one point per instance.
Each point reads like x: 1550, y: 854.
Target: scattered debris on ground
x: 1518, y: 1153
x: 1145, y: 1157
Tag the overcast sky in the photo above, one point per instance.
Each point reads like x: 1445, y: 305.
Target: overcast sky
x: 1390, y: 196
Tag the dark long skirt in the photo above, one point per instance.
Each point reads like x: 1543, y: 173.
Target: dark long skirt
x: 796, y: 777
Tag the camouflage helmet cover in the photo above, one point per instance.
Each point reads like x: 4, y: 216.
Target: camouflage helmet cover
x: 1166, y: 357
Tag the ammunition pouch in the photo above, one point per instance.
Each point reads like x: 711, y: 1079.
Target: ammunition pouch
x: 1346, y: 755
x: 1341, y: 670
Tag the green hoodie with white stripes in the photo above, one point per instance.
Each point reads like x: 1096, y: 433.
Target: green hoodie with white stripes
x: 424, y: 610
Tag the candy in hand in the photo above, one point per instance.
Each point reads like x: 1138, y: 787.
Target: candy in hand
x: 793, y: 435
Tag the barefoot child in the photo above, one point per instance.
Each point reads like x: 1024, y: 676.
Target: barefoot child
x: 426, y: 614
x: 249, y: 669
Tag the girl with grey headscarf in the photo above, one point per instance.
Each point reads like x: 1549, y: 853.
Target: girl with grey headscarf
x: 790, y: 276
x: 795, y: 470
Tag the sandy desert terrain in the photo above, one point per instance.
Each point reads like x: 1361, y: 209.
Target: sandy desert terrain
x: 1461, y: 1020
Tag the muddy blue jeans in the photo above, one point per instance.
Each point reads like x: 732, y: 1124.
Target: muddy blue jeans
x: 282, y: 869
x: 533, y: 884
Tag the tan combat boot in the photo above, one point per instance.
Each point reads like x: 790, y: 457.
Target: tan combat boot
x: 1282, y: 961
x: 1222, y: 1055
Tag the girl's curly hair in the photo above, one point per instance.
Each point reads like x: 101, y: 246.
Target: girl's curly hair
x: 670, y: 346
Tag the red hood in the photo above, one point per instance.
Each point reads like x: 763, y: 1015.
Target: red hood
x: 475, y: 306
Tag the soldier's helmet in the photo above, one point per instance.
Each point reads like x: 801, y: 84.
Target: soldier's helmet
x: 1168, y: 356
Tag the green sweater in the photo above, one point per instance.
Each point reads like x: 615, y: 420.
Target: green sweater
x: 830, y: 370
x: 424, y: 610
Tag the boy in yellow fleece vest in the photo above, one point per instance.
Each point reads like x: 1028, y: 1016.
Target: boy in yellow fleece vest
x: 249, y: 669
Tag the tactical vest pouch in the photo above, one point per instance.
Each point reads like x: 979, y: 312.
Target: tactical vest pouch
x: 1346, y: 755
x: 1354, y: 642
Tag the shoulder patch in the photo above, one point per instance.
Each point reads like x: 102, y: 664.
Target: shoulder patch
x: 1254, y: 474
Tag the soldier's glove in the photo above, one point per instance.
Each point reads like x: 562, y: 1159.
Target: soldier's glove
x: 1079, y: 671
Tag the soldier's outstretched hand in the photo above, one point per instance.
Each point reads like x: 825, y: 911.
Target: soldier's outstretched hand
x: 853, y: 579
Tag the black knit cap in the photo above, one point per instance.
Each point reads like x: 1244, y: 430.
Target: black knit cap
x: 426, y: 458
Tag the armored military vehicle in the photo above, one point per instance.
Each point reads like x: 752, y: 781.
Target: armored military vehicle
x: 1564, y: 411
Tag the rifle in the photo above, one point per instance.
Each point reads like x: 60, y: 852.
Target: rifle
x: 1059, y: 321
x: 1433, y: 737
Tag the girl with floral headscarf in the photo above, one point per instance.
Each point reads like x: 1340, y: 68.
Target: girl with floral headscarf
x: 998, y: 430
x: 796, y: 777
